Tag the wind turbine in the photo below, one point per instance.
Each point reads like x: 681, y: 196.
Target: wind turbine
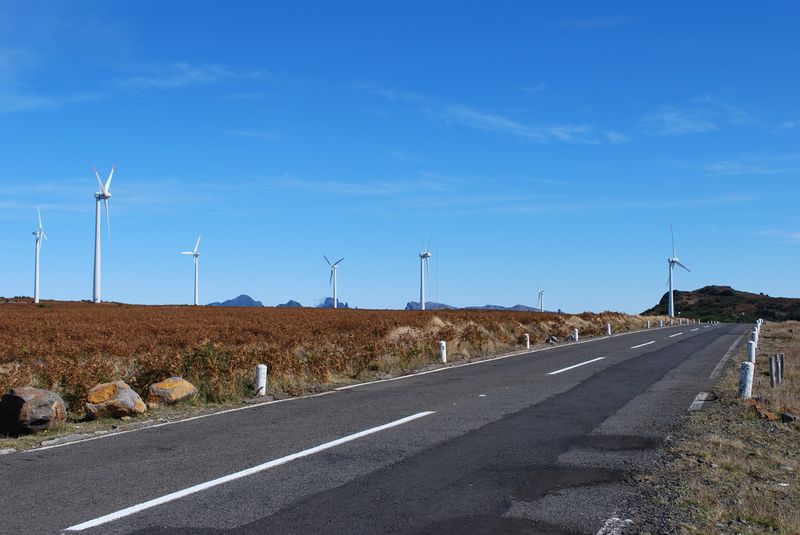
x: 424, y: 265
x: 102, y: 195
x: 39, y: 234
x: 196, y: 255
x: 333, y: 278
x: 673, y: 261
x: 541, y: 301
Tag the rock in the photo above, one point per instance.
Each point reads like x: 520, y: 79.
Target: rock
x: 7, y: 451
x: 28, y: 410
x: 552, y: 339
x: 115, y: 399
x: 789, y: 417
x: 171, y: 390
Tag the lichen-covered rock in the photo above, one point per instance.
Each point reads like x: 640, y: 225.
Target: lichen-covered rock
x: 171, y: 390
x: 115, y: 399
x: 28, y: 410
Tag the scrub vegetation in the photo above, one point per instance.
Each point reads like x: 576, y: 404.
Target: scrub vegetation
x: 71, y: 346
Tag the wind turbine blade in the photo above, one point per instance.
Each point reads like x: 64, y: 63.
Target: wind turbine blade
x: 330, y: 281
x: 684, y: 267
x: 108, y: 220
x: 110, y: 176
x: 38, y: 211
x: 186, y: 252
x: 335, y: 263
x: 328, y: 261
x: 44, y: 235
x: 99, y: 182
x: 196, y: 245
x: 672, y: 235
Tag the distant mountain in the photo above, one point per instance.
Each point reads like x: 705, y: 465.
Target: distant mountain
x: 241, y: 301
x: 723, y: 303
x: 518, y: 308
x: 328, y: 303
x: 429, y: 305
x: 291, y: 303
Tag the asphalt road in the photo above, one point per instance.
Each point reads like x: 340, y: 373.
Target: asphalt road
x: 541, y: 442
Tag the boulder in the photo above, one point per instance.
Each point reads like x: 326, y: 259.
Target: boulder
x: 115, y: 399
x: 171, y: 390
x: 28, y: 410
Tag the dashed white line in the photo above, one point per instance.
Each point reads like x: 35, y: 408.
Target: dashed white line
x: 122, y: 513
x: 674, y: 335
x: 575, y: 366
x: 644, y: 344
x: 696, y: 329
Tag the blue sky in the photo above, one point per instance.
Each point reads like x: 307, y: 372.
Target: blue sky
x: 532, y: 143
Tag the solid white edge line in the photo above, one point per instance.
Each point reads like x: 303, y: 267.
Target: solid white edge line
x: 357, y: 385
x: 575, y: 366
x: 645, y: 344
x: 721, y: 364
x: 698, y: 402
x: 674, y: 335
x: 614, y: 526
x: 238, y: 475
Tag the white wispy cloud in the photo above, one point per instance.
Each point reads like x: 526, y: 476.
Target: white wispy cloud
x: 496, y: 122
x: 185, y: 75
x: 367, y: 188
x: 702, y: 115
x: 745, y: 164
x: 788, y: 236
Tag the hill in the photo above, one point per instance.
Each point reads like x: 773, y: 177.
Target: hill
x: 723, y: 303
x: 291, y: 303
x: 241, y: 301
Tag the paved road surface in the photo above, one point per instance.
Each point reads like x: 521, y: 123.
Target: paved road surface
x: 535, y: 443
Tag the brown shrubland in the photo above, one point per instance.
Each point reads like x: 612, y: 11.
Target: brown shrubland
x: 71, y: 346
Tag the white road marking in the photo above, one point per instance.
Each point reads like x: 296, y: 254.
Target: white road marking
x: 575, y: 366
x: 614, y: 526
x: 644, y: 344
x: 696, y: 329
x: 674, y: 335
x: 238, y: 475
x: 705, y: 327
x: 721, y: 364
x: 699, y: 400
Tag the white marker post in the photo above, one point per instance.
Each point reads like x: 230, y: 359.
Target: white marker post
x: 575, y: 335
x: 746, y: 380
x: 527, y: 341
x: 608, y: 329
x: 648, y: 324
x: 261, y: 380
x: 751, y: 352
x: 442, y: 351
x: 660, y: 323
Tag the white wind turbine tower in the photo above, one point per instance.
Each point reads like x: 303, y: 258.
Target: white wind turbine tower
x: 673, y: 261
x: 196, y: 255
x: 424, y: 265
x: 332, y: 281
x: 39, y: 234
x: 102, y: 195
x: 541, y: 301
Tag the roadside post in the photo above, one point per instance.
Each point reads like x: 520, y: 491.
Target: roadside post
x: 746, y: 380
x: 751, y: 352
x: 527, y: 341
x: 261, y: 380
x: 608, y: 329
x: 442, y: 351
x: 773, y: 371
x: 575, y: 335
